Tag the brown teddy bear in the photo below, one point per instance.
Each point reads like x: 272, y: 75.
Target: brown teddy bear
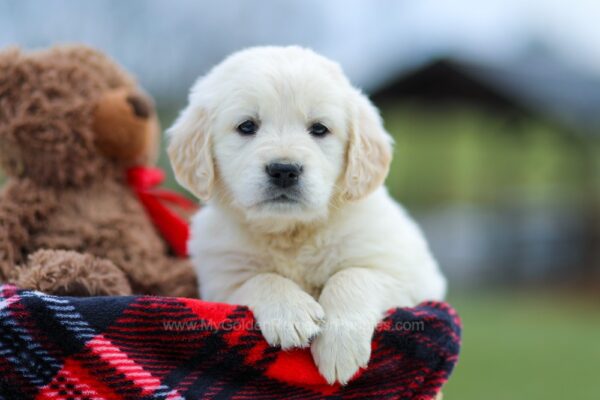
x: 71, y: 123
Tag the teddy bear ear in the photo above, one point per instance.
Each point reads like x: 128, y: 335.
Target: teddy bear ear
x: 9, y: 58
x: 15, y: 74
x: 125, y: 125
x: 94, y: 62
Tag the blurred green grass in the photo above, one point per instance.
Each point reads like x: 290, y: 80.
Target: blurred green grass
x: 526, y: 346
x: 464, y: 155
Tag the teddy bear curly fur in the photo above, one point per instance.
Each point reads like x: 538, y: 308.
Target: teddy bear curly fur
x: 71, y: 122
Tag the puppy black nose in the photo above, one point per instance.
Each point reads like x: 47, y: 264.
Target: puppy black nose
x: 283, y: 174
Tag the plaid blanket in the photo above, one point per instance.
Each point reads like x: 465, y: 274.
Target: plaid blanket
x: 141, y: 347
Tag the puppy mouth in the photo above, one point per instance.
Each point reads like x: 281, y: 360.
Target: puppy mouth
x: 282, y: 198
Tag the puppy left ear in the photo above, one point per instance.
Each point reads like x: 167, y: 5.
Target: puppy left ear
x: 190, y: 152
x: 369, y: 150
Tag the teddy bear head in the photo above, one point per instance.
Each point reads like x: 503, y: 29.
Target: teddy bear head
x: 69, y: 115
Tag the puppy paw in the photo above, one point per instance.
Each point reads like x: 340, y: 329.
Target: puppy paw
x: 292, y: 322
x: 341, y: 350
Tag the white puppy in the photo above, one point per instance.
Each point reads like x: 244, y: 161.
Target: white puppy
x: 290, y: 159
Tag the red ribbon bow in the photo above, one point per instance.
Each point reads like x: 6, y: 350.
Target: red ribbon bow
x: 174, y: 229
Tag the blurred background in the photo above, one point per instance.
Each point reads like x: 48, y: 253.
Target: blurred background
x: 495, y: 109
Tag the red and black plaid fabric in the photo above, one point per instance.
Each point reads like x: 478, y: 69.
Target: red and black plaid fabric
x: 139, y: 347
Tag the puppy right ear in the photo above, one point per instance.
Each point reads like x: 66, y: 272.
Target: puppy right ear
x: 369, y: 150
x: 190, y: 152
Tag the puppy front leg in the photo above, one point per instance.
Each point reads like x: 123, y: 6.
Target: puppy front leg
x: 354, y: 301
x: 287, y: 316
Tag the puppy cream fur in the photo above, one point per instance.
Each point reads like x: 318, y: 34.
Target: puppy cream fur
x: 320, y: 268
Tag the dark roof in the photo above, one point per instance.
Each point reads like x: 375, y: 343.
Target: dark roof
x: 445, y: 81
x: 551, y: 89
x: 529, y: 86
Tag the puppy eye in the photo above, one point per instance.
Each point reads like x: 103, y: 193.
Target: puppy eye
x: 247, y: 127
x: 318, y: 129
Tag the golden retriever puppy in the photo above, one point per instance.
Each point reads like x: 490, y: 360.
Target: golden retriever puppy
x: 290, y: 160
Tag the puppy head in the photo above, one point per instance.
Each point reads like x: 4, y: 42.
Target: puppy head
x: 279, y: 133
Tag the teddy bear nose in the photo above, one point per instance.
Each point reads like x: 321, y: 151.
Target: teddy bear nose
x: 284, y: 174
x: 140, y: 105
